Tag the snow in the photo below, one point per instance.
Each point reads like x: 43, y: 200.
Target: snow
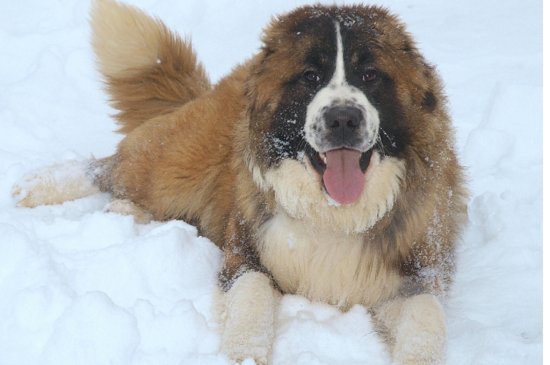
x: 81, y: 285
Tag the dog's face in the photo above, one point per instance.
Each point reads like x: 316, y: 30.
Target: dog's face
x: 332, y: 103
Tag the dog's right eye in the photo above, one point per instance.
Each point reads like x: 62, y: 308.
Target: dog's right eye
x: 311, y: 76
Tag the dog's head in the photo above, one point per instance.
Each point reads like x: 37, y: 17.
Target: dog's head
x: 333, y: 101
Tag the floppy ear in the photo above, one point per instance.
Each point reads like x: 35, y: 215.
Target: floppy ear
x: 256, y: 89
x: 263, y: 88
x: 259, y: 108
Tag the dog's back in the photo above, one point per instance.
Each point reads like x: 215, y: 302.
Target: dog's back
x: 149, y: 71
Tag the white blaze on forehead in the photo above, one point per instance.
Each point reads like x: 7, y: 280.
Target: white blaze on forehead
x: 338, y: 92
x: 339, y: 77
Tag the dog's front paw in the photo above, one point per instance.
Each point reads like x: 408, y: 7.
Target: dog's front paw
x: 54, y: 185
x: 420, y: 334
x: 249, y: 311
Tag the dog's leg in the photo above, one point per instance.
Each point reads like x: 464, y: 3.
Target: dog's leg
x: 126, y: 207
x: 56, y: 184
x: 249, y: 301
x: 248, y: 316
x: 414, y: 328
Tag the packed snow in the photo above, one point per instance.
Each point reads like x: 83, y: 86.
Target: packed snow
x: 79, y: 285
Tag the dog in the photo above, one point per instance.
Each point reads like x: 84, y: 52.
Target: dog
x: 322, y: 166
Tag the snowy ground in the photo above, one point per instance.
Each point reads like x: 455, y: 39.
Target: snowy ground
x: 80, y: 286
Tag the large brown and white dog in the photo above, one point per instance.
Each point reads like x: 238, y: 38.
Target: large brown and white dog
x: 323, y: 166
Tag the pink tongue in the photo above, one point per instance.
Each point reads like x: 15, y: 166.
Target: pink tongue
x: 343, y: 177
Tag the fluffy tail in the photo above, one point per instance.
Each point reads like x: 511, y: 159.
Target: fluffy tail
x: 149, y: 70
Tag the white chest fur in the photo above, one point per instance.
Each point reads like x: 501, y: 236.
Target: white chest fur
x: 325, y: 265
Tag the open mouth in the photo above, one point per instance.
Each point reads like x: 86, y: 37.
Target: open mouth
x: 342, y: 171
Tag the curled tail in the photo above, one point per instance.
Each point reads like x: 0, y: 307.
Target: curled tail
x: 149, y: 71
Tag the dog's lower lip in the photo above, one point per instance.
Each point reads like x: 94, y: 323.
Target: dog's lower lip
x: 364, y: 161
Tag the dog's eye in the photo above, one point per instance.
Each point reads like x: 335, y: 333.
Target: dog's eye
x: 312, y: 76
x: 370, y: 75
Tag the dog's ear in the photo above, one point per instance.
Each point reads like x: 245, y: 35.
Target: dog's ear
x: 262, y: 91
x: 263, y: 87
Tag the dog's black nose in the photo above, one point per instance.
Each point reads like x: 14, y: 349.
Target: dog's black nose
x: 340, y: 119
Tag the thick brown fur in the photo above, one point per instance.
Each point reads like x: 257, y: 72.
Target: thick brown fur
x: 152, y: 72
x: 197, y: 153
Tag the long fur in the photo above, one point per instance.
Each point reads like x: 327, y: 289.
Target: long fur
x: 149, y: 71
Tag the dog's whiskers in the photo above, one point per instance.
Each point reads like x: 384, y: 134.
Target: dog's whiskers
x: 380, y: 146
